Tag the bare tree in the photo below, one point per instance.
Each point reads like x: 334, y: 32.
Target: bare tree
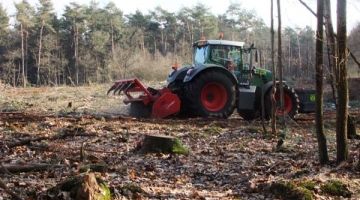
x: 319, y: 113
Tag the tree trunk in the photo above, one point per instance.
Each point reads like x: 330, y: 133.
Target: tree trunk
x: 39, y: 57
x: 112, y: 41
x: 76, y: 55
x: 280, y: 68
x: 26, y: 58
x: 22, y: 55
x: 299, y: 54
x: 342, y: 83
x: 273, y: 90
x: 332, y: 54
x: 319, y: 112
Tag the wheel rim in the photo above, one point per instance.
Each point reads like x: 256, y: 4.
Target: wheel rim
x: 213, y: 96
x: 287, y: 104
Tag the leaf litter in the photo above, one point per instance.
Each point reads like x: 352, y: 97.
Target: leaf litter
x: 229, y: 158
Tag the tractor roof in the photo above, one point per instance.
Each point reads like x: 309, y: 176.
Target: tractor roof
x: 226, y: 42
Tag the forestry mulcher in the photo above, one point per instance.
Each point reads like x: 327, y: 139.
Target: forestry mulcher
x: 220, y: 80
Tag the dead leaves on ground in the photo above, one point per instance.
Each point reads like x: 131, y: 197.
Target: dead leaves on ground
x: 228, y: 158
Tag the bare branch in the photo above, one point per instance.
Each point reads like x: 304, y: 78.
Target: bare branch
x: 351, y: 54
x: 306, y: 6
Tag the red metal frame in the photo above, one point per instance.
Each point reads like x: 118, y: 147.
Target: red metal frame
x: 137, y: 87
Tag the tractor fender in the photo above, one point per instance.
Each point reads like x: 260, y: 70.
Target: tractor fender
x: 178, y: 75
x: 194, y: 71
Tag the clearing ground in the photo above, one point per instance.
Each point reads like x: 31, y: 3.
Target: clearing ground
x: 229, y: 158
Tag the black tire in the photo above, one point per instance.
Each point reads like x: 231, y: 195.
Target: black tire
x: 291, y: 102
x: 211, y: 94
x: 248, y: 114
x: 139, y: 110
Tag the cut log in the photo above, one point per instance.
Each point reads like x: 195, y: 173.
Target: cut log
x: 162, y: 144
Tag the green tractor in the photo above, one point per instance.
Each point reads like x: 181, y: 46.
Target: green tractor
x: 220, y: 80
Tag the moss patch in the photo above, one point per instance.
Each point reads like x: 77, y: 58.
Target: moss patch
x: 162, y: 144
x: 178, y: 148
x: 288, y: 190
x: 336, y: 188
x: 310, y: 185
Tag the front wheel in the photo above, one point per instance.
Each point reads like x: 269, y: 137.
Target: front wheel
x: 291, y: 102
x: 211, y: 93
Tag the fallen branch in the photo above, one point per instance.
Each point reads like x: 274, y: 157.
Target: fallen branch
x: 9, y: 191
x: 28, y: 167
x: 59, y: 136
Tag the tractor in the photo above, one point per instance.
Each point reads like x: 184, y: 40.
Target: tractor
x: 221, y: 78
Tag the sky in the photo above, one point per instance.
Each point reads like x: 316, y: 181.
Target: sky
x: 294, y: 14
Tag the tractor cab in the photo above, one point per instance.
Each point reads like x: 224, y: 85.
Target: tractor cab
x: 231, y: 55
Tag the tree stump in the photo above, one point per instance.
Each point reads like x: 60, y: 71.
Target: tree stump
x: 91, y: 189
x: 351, y: 129
x: 82, y: 187
x: 162, y: 144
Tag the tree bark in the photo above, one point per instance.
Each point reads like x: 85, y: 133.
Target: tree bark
x: 319, y: 112
x: 342, y: 83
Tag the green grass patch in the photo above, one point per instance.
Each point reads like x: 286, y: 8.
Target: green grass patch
x: 212, y: 130
x: 178, y: 148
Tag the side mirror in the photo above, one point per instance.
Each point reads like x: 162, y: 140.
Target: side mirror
x: 251, y: 46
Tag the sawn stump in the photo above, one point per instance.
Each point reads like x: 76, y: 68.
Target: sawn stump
x: 162, y: 144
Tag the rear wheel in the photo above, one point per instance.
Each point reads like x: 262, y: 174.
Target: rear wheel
x: 211, y: 94
x: 139, y: 110
x: 291, y: 102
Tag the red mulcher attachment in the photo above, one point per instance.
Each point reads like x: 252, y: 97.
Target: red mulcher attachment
x: 163, y: 102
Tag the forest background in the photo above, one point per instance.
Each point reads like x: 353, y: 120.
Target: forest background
x: 90, y: 43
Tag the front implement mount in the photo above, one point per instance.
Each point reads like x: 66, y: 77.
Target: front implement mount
x: 163, y: 103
